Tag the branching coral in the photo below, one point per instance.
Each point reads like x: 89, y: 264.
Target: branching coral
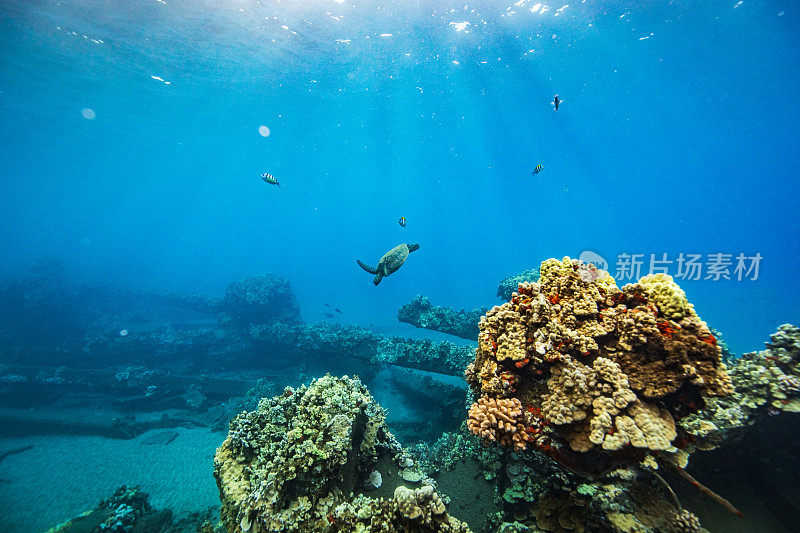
x: 409, y: 510
x: 684, y: 522
x: 610, y: 368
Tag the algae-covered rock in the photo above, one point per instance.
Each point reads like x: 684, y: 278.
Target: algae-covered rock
x: 263, y: 299
x: 422, y: 314
x: 296, y: 462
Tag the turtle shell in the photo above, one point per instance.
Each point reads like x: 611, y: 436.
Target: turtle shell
x: 393, y: 259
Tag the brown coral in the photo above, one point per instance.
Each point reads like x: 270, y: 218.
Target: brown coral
x: 501, y: 421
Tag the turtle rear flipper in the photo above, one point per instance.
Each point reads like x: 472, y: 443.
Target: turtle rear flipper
x: 367, y: 268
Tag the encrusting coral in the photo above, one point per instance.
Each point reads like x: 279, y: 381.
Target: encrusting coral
x: 296, y: 462
x: 593, y: 365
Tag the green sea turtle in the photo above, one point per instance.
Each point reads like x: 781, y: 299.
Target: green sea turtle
x: 390, y: 262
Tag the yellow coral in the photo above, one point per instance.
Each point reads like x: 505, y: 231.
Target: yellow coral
x: 667, y: 295
x: 645, y: 426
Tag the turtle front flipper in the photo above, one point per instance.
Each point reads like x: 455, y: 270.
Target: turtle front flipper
x: 367, y: 268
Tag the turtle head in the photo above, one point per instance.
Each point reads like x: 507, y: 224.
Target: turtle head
x: 412, y: 247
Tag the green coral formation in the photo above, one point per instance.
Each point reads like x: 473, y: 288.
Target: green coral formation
x: 296, y: 462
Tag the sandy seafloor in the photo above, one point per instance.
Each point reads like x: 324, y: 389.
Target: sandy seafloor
x: 63, y: 476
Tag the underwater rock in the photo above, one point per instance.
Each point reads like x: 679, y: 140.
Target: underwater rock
x: 263, y: 299
x: 295, y: 463
x: 596, y: 367
x: 206, y: 305
x: 420, y: 313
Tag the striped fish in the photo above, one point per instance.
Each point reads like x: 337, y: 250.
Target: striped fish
x: 269, y: 178
x: 537, y: 169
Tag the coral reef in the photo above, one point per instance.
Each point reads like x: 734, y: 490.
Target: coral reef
x: 765, y: 383
x: 263, y: 299
x: 596, y: 366
x: 295, y: 463
x: 507, y: 286
x: 422, y: 314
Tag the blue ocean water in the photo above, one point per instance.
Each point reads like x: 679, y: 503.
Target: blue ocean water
x: 134, y: 133
x: 677, y: 134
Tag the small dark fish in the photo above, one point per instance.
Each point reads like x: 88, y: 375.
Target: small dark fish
x: 402, y: 221
x: 538, y: 169
x: 269, y: 178
x: 338, y: 311
x: 556, y: 101
x: 328, y: 315
x: 327, y: 305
